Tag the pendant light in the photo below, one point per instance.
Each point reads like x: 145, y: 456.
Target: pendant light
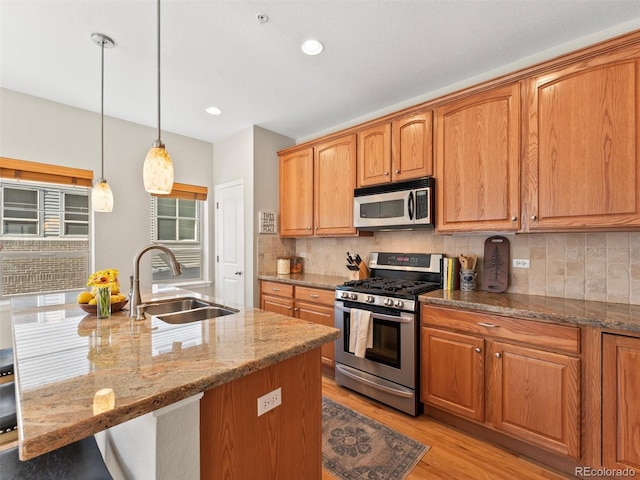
x: 157, y: 172
x: 101, y: 195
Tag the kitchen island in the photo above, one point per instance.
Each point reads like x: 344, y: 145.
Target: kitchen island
x: 66, y: 360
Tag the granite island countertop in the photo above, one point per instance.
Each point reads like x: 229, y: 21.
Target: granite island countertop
x: 616, y: 316
x: 65, y: 356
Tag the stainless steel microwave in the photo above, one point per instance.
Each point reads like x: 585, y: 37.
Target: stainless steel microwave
x: 400, y: 205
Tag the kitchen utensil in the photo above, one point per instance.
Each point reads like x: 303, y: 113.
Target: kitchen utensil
x: 463, y: 262
x: 358, y: 260
x: 495, y: 267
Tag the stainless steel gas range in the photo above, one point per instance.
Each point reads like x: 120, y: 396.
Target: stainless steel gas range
x: 389, y: 369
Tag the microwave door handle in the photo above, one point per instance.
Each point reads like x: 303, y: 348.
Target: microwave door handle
x: 410, y: 205
x: 401, y: 319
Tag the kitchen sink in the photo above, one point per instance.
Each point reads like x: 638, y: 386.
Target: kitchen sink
x: 172, y: 305
x: 204, y: 313
x: 185, y: 310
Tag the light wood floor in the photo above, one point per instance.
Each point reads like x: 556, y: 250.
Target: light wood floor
x: 453, y: 455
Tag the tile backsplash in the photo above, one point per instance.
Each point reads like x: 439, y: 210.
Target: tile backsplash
x: 588, y: 266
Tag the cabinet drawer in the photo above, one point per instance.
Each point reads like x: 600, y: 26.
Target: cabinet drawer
x: 276, y: 288
x: 547, y: 335
x: 315, y: 295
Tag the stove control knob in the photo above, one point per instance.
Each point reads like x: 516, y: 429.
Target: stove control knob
x: 344, y: 295
x: 353, y: 296
x: 370, y: 299
x: 399, y: 303
x: 388, y: 302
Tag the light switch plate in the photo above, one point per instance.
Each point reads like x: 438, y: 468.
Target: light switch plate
x: 521, y: 263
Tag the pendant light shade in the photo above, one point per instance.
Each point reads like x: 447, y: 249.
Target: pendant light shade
x: 101, y: 195
x: 157, y: 172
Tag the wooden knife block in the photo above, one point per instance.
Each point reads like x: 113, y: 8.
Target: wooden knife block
x: 361, y: 273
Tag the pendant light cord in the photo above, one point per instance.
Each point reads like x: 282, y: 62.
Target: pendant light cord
x: 102, y: 114
x: 158, y: 53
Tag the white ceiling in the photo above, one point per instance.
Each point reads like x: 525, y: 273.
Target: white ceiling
x: 215, y: 52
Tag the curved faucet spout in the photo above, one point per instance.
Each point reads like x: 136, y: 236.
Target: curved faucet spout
x: 134, y: 294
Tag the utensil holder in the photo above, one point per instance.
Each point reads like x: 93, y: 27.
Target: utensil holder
x: 468, y: 280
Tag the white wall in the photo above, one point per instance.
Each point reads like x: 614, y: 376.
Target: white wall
x: 39, y: 130
x: 252, y: 156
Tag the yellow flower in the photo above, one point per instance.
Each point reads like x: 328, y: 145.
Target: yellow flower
x: 104, y: 278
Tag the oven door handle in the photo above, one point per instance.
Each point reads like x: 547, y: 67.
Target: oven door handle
x: 403, y: 318
x: 383, y: 388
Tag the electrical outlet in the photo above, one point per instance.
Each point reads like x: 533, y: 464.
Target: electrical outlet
x: 269, y: 401
x: 521, y: 263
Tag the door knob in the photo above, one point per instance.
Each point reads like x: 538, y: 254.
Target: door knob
x: 238, y: 273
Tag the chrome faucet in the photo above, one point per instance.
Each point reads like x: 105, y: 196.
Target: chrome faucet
x: 134, y: 292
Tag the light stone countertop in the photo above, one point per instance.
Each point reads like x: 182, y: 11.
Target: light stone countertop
x: 615, y: 316
x: 314, y: 280
x: 64, y: 356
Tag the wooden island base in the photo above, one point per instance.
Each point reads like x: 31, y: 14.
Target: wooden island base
x: 285, y: 442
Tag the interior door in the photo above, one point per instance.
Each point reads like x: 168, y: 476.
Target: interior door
x: 230, y: 276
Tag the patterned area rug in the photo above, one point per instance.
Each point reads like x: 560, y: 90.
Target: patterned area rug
x: 357, y: 447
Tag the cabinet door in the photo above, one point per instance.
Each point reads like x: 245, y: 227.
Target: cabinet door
x: 334, y: 174
x: 374, y: 155
x: 452, y: 375
x: 296, y: 193
x: 276, y: 305
x: 620, y: 394
x: 584, y: 160
x: 324, y: 316
x: 412, y: 146
x: 535, y: 395
x: 477, y: 162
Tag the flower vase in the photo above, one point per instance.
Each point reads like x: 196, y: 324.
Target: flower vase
x: 103, y: 302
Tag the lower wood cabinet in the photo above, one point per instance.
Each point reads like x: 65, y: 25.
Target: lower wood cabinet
x: 305, y: 303
x: 620, y: 397
x: 476, y: 367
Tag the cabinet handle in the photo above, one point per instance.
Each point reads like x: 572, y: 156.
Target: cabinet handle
x: 488, y: 325
x: 498, y: 355
x: 478, y: 349
x: 534, y: 217
x: 288, y: 308
x: 397, y: 171
x: 386, y: 173
x: 314, y: 295
x: 514, y: 218
x: 275, y: 289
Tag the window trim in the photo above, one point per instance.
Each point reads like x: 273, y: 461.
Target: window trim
x: 11, y: 168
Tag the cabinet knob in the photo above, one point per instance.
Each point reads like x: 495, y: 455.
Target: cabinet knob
x: 296, y: 309
x: 514, y: 218
x: 534, y: 217
x: 397, y: 171
x: 386, y: 173
x: 316, y: 227
x: 498, y: 355
x: 288, y: 308
x: 478, y: 349
x: 308, y: 228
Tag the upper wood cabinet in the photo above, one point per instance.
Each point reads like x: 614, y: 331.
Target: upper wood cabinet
x: 334, y: 179
x: 296, y: 193
x: 316, y: 189
x: 581, y: 125
x: 399, y: 150
x: 477, y: 162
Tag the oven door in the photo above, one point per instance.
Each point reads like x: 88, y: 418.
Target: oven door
x: 384, y: 209
x: 393, y: 355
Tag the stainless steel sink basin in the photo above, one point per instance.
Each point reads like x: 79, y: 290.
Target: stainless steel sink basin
x: 171, y: 305
x: 185, y: 310
x: 196, y: 315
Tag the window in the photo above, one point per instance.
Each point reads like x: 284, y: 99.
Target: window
x: 44, y: 213
x: 20, y: 211
x: 177, y: 222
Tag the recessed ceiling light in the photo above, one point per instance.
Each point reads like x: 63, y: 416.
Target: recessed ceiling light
x: 214, y: 111
x: 312, y: 47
